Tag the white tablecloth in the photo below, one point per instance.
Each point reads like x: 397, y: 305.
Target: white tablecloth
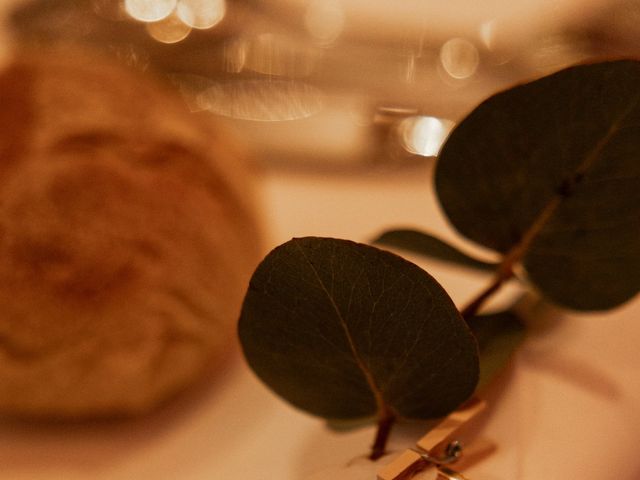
x: 567, y: 408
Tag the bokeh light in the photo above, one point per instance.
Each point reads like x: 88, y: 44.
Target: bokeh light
x: 424, y: 135
x: 459, y: 58
x: 498, y: 42
x: 324, y: 20
x: 488, y: 34
x: 149, y: 10
x: 169, y: 30
x: 201, y: 14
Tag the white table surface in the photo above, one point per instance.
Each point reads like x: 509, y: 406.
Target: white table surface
x: 567, y: 409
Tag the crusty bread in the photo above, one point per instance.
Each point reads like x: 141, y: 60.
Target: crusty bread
x: 126, y: 240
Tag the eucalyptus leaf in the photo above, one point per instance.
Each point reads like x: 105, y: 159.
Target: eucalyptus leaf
x: 345, y: 330
x: 430, y: 246
x: 549, y: 174
x: 498, y: 335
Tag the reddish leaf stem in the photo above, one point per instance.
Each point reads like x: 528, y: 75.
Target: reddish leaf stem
x: 471, y: 309
x: 385, y: 421
x: 514, y: 256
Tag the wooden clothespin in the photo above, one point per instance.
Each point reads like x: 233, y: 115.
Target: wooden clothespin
x: 433, y: 443
x: 446, y: 474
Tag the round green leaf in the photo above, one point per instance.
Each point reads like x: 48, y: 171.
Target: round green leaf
x: 430, y: 246
x: 344, y: 330
x: 554, y: 166
x: 498, y: 335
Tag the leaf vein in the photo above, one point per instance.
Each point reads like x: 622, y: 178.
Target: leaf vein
x: 345, y: 328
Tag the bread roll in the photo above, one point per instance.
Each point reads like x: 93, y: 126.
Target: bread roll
x: 126, y: 241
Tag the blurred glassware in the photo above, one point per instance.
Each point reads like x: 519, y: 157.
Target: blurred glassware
x: 282, y: 69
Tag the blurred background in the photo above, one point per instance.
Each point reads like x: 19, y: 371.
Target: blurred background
x: 344, y: 105
x: 337, y: 83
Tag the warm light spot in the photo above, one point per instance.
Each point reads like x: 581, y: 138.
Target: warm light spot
x: 488, y: 33
x: 169, y: 30
x: 262, y: 100
x: 149, y: 10
x: 459, y: 58
x: 324, y: 20
x: 201, y: 13
x: 424, y: 135
x: 501, y: 49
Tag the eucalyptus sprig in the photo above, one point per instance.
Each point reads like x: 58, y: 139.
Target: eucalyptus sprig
x: 546, y: 174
